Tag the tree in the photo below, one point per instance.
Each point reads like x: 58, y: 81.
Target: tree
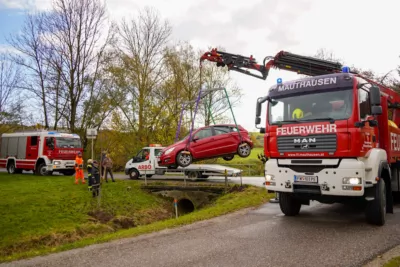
x: 11, y: 107
x: 33, y: 56
x: 139, y: 70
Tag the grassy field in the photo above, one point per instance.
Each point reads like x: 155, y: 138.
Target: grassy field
x: 47, y: 214
x: 395, y: 262
x: 251, y: 165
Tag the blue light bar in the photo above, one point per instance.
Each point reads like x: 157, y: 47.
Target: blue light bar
x: 279, y: 80
x: 346, y: 69
x: 51, y: 133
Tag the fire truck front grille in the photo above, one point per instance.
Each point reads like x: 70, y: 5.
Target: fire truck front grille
x: 309, y: 143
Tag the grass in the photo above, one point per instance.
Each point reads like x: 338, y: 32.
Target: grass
x: 395, y: 262
x: 251, y: 165
x: 40, y: 215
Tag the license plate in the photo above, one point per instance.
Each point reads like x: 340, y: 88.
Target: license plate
x: 306, y: 178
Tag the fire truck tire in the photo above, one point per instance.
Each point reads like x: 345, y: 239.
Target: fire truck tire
x: 40, y: 170
x: 244, y: 150
x: 11, y: 167
x: 376, y: 209
x: 288, y: 204
x: 133, y: 174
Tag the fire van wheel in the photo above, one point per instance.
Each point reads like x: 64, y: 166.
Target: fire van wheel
x: 244, y: 150
x: 184, y: 159
x: 288, y: 204
x: 133, y: 174
x: 42, y: 170
x: 375, y: 212
x: 11, y: 167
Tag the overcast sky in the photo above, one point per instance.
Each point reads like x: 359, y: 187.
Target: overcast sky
x: 363, y: 33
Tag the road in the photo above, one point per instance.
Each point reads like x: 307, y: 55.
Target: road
x: 322, y: 235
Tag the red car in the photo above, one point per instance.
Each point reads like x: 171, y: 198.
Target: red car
x: 222, y: 140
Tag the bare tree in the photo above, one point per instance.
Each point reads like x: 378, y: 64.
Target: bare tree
x: 75, y: 28
x: 32, y: 54
x: 10, y: 104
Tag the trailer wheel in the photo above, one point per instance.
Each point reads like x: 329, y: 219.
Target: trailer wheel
x: 375, y: 211
x: 11, y: 167
x: 192, y: 175
x: 133, y: 174
x: 184, y: 158
x: 288, y: 204
x: 244, y: 150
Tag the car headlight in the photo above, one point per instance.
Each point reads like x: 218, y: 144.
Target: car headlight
x: 352, y: 180
x: 269, y: 177
x: 169, y: 150
x: 56, y: 162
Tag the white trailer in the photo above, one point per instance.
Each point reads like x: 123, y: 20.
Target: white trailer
x: 145, y: 163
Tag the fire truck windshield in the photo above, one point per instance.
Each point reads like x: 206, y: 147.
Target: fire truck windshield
x: 67, y: 142
x: 320, y: 106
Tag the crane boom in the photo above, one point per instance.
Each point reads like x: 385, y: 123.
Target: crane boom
x: 284, y: 60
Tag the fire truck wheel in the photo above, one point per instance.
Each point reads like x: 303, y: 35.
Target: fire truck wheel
x: 11, y: 167
x: 244, y: 150
x: 288, y: 204
x: 376, y: 209
x: 41, y: 170
x: 133, y: 174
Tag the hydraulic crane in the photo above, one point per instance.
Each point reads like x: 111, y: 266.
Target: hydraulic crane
x: 284, y: 60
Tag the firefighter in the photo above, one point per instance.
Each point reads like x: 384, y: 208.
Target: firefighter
x: 95, y: 178
x: 79, y: 168
x: 89, y: 169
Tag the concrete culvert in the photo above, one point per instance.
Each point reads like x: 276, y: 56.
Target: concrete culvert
x: 185, y: 206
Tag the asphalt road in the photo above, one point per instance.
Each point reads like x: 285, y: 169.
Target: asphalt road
x: 322, y: 235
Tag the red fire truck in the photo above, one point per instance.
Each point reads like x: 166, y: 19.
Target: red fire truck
x: 42, y: 152
x: 331, y: 137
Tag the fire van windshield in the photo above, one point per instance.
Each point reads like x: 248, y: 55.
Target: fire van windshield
x: 320, y: 106
x: 64, y: 142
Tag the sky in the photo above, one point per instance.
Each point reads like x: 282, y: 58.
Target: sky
x: 361, y: 33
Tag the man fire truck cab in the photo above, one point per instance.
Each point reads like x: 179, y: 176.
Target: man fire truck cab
x: 330, y: 137
x: 42, y: 152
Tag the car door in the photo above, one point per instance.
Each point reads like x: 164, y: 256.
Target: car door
x: 225, y: 141
x: 203, y: 143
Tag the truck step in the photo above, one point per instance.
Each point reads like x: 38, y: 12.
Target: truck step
x: 369, y: 198
x: 368, y: 169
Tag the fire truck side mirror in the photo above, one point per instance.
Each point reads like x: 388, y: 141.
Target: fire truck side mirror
x: 258, y: 120
x: 375, y: 100
x: 375, y: 96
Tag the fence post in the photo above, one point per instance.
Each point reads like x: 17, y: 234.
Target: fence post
x: 176, y: 207
x: 276, y: 199
x: 226, y: 180
x: 145, y: 177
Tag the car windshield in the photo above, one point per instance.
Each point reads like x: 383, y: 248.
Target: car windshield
x: 65, y: 142
x: 332, y: 105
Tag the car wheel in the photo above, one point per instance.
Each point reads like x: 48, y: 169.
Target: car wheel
x: 228, y: 158
x: 133, y: 174
x: 244, y: 150
x: 184, y: 158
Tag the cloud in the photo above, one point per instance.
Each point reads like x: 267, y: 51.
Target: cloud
x: 25, y: 4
